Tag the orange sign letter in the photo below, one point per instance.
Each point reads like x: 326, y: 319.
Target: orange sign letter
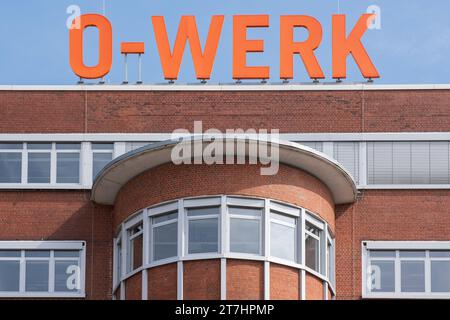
x: 343, y: 46
x: 104, y: 50
x: 187, y: 30
x: 305, y: 49
x: 241, y: 46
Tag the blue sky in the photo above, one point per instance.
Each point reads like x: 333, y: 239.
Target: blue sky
x: 412, y: 46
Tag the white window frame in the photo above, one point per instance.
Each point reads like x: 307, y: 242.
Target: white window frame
x: 290, y: 212
x: 398, y: 246
x: 120, y: 140
x: 223, y: 202
x: 52, y: 153
x: 309, y: 218
x: 86, y: 156
x: 117, y: 261
x: 200, y: 204
x: 330, y: 244
x: 157, y: 212
x: 100, y: 151
x: 245, y: 204
x: 50, y: 246
x: 135, y: 221
x: 22, y: 153
x: 54, y: 163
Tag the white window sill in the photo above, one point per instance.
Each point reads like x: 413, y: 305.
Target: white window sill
x: 387, y: 295
x: 42, y: 295
x: 45, y: 186
x: 403, y: 186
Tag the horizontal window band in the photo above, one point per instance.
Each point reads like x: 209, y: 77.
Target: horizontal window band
x: 41, y: 295
x: 406, y: 245
x: 42, y: 245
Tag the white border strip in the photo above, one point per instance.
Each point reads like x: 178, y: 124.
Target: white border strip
x: 248, y: 86
x: 42, y: 245
x: 407, y: 245
x: 157, y: 137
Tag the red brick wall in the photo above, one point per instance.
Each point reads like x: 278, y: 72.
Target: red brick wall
x: 407, y: 111
x: 63, y: 215
x: 386, y: 215
x: 133, y: 287
x: 245, y: 280
x: 162, y: 282
x: 42, y: 112
x: 313, y: 288
x: 290, y: 184
x: 69, y: 215
x: 284, y: 282
x: 290, y: 111
x: 201, y: 280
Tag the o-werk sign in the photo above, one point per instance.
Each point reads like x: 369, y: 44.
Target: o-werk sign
x: 171, y: 58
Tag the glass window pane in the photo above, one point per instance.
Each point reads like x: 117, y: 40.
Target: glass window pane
x: 39, y: 167
x: 203, y: 211
x: 135, y: 254
x: 440, y: 254
x: 67, y: 276
x: 68, y: 146
x: 10, y: 167
x: 244, y: 211
x: 244, y: 235
x: 165, y: 241
x: 382, y: 254
x: 312, y: 229
x: 440, y: 276
x: 164, y: 217
x: 37, y: 254
x: 9, y: 253
x: 119, y: 262
x: 412, y: 254
x: 67, y: 254
x: 102, y: 146
x: 383, y: 276
x: 282, y: 217
x: 9, y: 276
x: 11, y: 146
x: 37, y: 276
x: 136, y: 229
x: 100, y: 160
x: 413, y: 276
x: 39, y: 146
x: 331, y: 263
x: 312, y: 252
x: 203, y: 235
x: 68, y: 168
x: 282, y: 241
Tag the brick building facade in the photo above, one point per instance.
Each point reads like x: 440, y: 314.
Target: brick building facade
x: 363, y: 186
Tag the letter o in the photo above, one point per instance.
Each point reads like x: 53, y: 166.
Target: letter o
x: 105, y: 47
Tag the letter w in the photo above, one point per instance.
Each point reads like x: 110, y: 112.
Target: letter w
x: 187, y: 30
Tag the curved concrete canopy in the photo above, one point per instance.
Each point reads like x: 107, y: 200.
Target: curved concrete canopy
x: 122, y: 169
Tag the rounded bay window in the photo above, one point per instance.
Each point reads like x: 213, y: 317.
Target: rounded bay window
x: 223, y: 231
